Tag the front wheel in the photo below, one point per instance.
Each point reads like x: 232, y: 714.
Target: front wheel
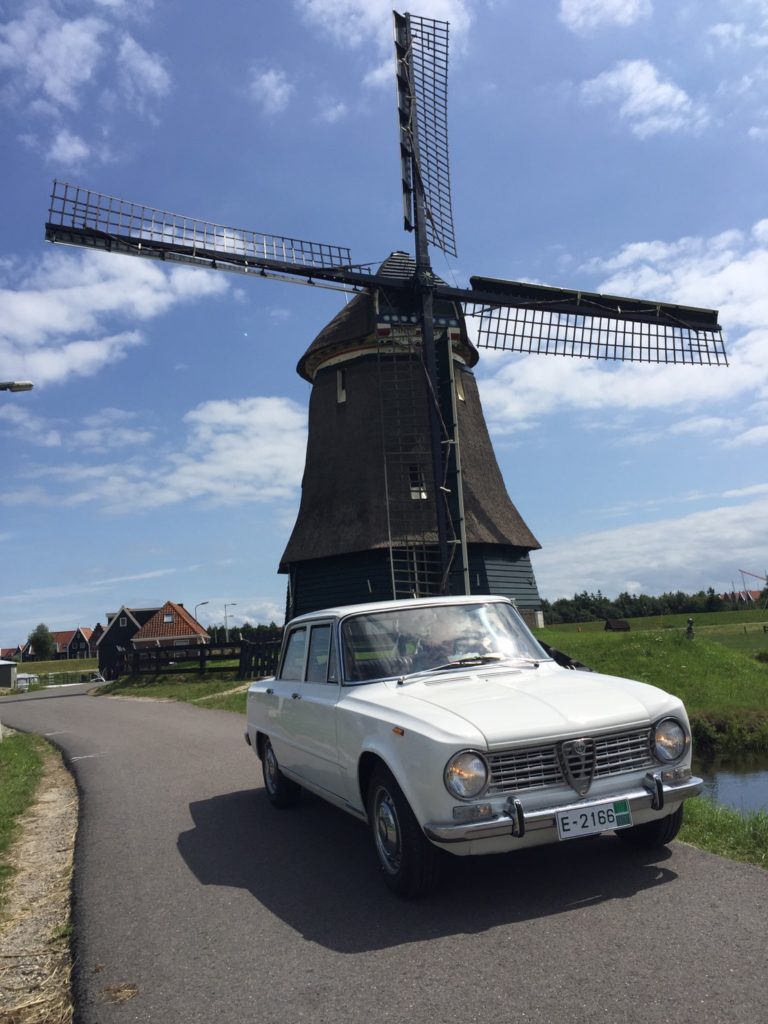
x: 282, y: 792
x: 408, y: 861
x: 653, y: 833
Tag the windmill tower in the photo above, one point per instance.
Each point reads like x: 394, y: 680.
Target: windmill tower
x: 402, y: 494
x: 367, y: 525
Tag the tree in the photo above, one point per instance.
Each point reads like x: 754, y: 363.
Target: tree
x: 42, y: 643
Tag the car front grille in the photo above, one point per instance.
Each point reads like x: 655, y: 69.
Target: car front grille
x: 537, y: 767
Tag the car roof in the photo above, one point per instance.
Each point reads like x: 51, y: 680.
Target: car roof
x: 342, y: 611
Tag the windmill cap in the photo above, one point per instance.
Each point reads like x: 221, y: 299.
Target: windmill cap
x: 354, y: 328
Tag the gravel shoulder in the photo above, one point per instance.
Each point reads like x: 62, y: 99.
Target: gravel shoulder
x: 35, y: 958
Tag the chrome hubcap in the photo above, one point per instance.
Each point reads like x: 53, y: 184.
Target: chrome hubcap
x: 387, y: 831
x: 270, y: 764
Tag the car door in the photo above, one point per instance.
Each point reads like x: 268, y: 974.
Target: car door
x: 307, y: 693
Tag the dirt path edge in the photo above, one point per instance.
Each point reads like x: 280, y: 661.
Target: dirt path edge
x: 35, y: 955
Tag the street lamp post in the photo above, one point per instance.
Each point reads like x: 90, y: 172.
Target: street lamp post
x: 16, y: 385
x: 231, y: 604
x: 199, y: 605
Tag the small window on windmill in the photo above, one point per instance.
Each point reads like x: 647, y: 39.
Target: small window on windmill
x: 341, y: 386
x: 417, y: 483
x: 459, y: 385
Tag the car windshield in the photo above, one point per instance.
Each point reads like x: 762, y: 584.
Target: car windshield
x: 402, y: 641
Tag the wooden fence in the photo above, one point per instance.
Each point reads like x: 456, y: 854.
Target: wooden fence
x: 246, y: 659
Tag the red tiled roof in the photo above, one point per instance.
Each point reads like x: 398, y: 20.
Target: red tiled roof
x: 180, y: 626
x: 62, y: 638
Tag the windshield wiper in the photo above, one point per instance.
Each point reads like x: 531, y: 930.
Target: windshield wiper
x: 469, y: 659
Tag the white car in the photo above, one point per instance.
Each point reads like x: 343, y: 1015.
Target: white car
x: 445, y: 725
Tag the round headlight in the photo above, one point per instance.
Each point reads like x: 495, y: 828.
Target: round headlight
x: 669, y: 740
x: 466, y: 775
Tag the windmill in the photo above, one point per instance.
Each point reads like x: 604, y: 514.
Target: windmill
x: 403, y: 496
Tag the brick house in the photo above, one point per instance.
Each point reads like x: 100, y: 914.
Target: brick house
x: 68, y: 644
x: 132, y: 629
x: 171, y: 626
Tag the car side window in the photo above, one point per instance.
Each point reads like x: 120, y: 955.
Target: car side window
x: 319, y: 650
x: 293, y: 660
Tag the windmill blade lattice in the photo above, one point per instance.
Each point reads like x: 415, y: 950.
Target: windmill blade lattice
x: 82, y: 217
x: 556, y: 321
x: 421, y: 50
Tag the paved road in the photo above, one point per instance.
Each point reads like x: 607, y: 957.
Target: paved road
x: 189, y: 886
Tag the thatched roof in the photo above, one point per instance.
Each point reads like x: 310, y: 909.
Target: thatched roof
x: 356, y: 493
x: 354, y: 327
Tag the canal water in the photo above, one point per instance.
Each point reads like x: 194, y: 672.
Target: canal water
x: 740, y: 784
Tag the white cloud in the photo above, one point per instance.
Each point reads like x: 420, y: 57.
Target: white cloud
x: 353, y: 22
x: 46, y: 55
x: 755, y: 435
x: 108, y: 429
x: 333, y: 112
x: 690, y: 553
x: 53, y: 320
x: 236, y: 452
x: 143, y: 75
x: 33, y: 595
x: 270, y: 89
x: 729, y: 272
x: 30, y: 428
x: 68, y: 149
x: 727, y: 34
x: 585, y: 15
x: 649, y: 103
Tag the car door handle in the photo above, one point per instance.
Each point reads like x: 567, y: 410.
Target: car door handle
x: 296, y: 696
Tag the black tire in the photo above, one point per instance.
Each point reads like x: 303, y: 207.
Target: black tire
x: 653, y: 834
x: 408, y: 861
x: 281, y: 792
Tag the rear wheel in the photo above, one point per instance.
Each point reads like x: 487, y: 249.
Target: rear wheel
x: 282, y: 792
x: 653, y: 833
x: 408, y: 861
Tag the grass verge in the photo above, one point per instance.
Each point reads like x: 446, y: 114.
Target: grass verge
x: 170, y: 686
x: 726, y: 832
x: 212, y: 691
x: 21, y: 768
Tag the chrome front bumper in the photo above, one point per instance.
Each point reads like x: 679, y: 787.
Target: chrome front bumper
x: 653, y: 794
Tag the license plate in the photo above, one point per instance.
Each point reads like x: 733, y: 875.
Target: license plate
x: 589, y: 821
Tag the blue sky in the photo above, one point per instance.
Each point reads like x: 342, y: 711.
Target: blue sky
x: 613, y: 145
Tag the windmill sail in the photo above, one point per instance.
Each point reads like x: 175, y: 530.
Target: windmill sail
x: 79, y: 216
x: 537, y: 320
x: 421, y: 50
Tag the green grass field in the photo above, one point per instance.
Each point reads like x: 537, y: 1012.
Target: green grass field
x: 724, y: 689
x: 169, y: 686
x: 751, y: 617
x: 85, y: 665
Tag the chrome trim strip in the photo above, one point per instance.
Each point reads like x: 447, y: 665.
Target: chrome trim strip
x: 509, y: 823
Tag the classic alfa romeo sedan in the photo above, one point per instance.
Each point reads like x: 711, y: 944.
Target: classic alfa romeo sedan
x: 445, y: 725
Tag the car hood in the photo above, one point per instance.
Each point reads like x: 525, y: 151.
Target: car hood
x: 541, y: 703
